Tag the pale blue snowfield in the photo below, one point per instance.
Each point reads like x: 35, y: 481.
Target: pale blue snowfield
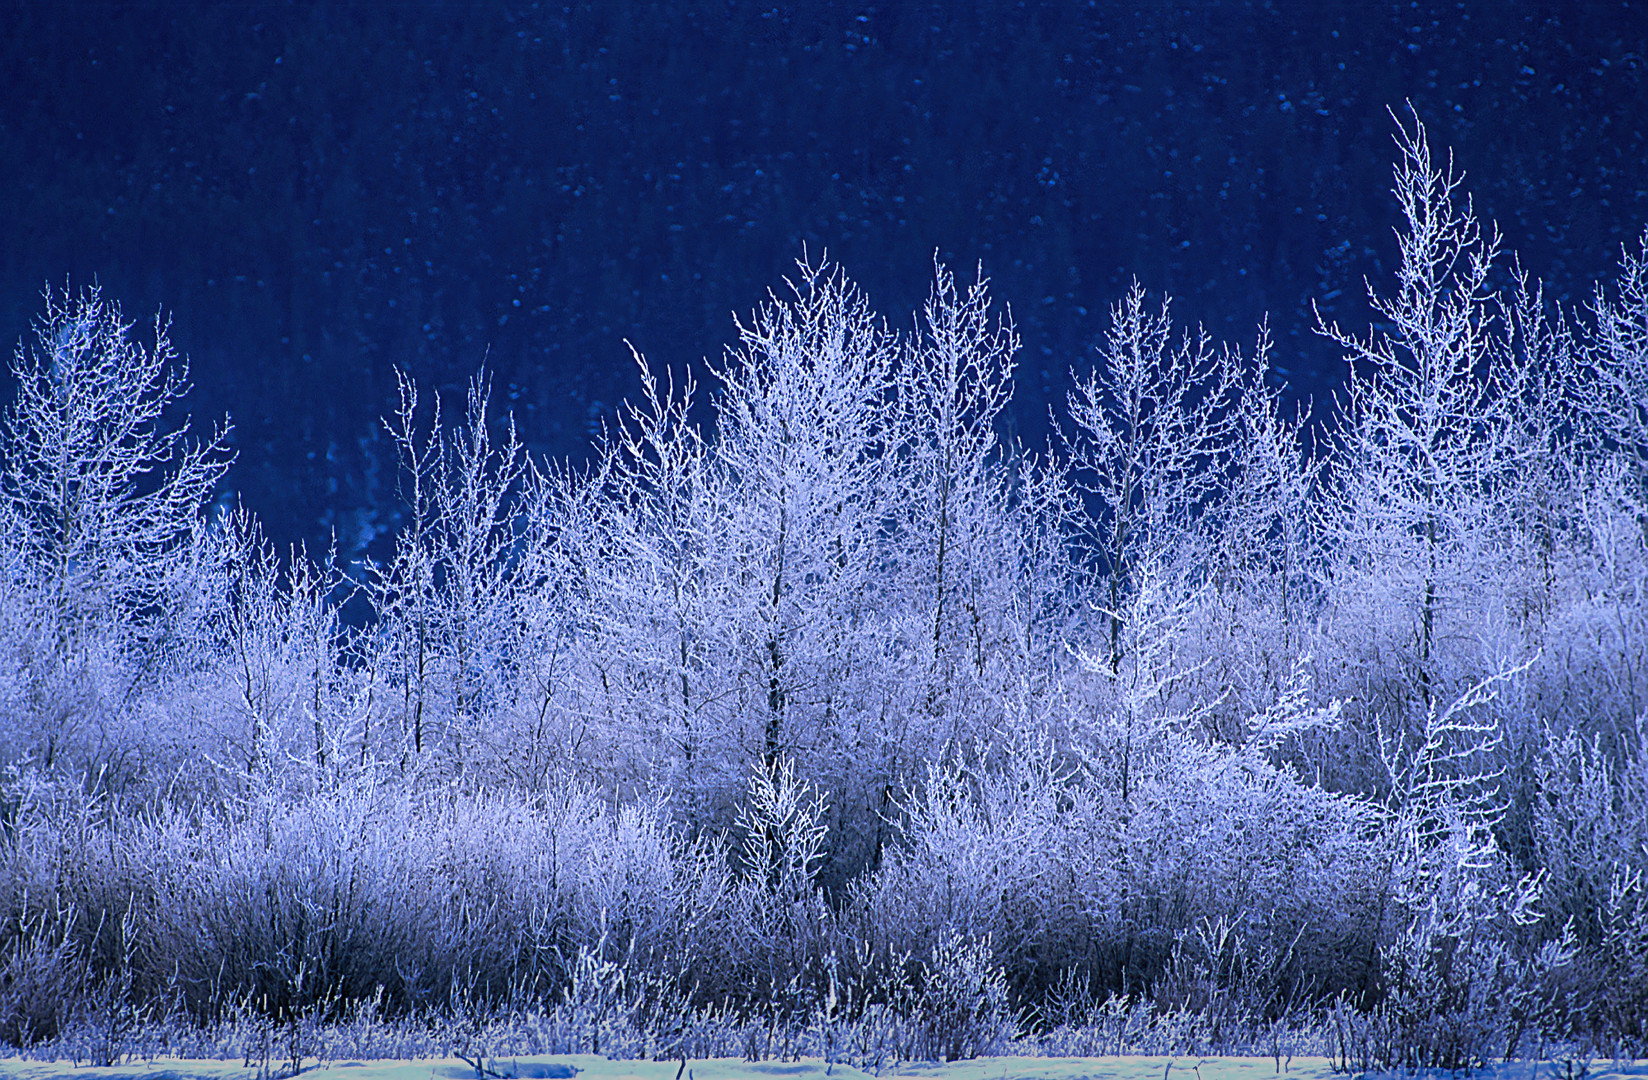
x: 587, y: 1067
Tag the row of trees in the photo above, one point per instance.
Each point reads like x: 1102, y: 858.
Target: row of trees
x: 1203, y: 696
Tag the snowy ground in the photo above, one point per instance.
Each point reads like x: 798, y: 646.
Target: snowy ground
x: 585, y: 1067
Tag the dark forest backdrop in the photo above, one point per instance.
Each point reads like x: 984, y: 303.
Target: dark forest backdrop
x: 320, y: 193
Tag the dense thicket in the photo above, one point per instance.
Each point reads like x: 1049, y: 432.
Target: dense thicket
x: 846, y: 704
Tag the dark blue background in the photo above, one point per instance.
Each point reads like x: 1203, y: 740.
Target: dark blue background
x: 321, y: 192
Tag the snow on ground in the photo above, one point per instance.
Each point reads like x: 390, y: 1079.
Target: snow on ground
x: 585, y: 1067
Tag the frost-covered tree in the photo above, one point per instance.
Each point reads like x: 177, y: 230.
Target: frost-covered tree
x: 1257, y: 614
x: 107, y: 496
x: 980, y: 547
x: 1541, y: 383
x: 449, y: 599
x: 1263, y: 538
x: 1153, y: 428
x: 285, y: 696
x: 1618, y: 406
x: 1427, y: 446
x: 848, y: 570
x: 976, y: 559
x: 1611, y: 406
x: 953, y: 381
x: 801, y: 433
x: 640, y: 552
x: 106, y: 489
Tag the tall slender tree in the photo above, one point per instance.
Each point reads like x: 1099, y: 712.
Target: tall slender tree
x: 1427, y: 443
x: 802, y: 433
x: 1153, y: 428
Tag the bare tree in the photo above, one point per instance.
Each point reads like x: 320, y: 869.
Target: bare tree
x: 449, y: 599
x: 107, y: 495
x: 954, y: 381
x: 105, y: 489
x: 801, y: 416
x: 1428, y: 441
x: 1619, y: 362
x: 641, y: 547
x: 279, y: 654
x: 1153, y: 433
